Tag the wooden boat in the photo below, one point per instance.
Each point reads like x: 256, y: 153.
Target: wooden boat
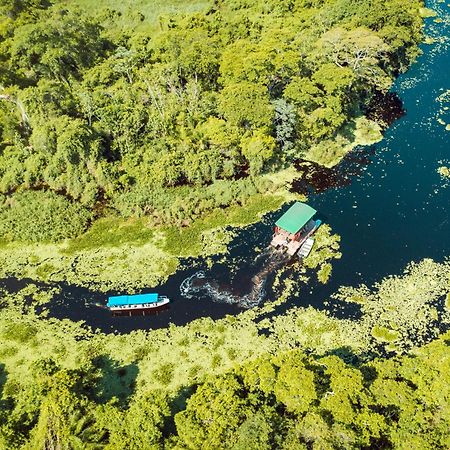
x: 293, y: 230
x: 306, y: 248
x: 138, y: 302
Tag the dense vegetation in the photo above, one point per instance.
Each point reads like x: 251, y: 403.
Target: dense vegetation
x: 118, y: 108
x: 305, y: 379
x: 139, y: 131
x: 289, y: 401
x: 129, y: 137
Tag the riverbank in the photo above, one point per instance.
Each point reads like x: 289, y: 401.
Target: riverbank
x: 174, y: 357
x: 135, y: 253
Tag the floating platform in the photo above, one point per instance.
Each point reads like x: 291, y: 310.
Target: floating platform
x: 294, y: 228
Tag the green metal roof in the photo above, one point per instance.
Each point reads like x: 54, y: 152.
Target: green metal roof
x: 296, y: 217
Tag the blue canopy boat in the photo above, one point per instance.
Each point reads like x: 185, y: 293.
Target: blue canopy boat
x: 138, y: 302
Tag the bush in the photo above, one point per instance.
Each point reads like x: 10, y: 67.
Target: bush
x: 40, y: 216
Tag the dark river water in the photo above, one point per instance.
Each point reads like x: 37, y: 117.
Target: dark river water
x: 391, y: 210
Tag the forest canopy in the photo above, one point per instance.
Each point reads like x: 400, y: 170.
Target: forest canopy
x: 100, y: 112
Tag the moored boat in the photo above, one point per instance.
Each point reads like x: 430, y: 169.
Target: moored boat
x: 138, y: 302
x: 293, y: 230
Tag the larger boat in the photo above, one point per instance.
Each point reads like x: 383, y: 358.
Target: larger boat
x: 138, y: 302
x: 293, y: 230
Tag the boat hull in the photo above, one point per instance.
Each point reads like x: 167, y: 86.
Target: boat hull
x: 141, y: 312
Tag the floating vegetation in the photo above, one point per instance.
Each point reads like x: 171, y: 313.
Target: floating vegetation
x: 411, y: 304
x: 329, y: 153
x: 396, y: 314
x: 427, y: 12
x: 444, y: 171
x: 443, y: 115
x: 268, y: 261
x: 326, y: 248
x: 384, y: 334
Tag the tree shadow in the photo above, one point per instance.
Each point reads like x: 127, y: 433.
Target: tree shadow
x: 3, y: 377
x: 351, y: 358
x: 5, y: 404
x: 348, y: 131
x: 115, y: 380
x: 177, y: 404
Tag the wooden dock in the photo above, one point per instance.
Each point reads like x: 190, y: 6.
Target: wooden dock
x: 292, y: 247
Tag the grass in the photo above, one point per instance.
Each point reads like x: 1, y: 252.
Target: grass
x: 126, y: 255
x: 112, y: 232
x: 188, y: 241
x: 126, y: 267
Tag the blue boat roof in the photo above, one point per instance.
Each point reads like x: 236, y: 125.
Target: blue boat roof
x: 138, y: 299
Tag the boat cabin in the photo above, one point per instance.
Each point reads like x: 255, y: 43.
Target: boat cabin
x: 136, y: 302
x: 294, y: 227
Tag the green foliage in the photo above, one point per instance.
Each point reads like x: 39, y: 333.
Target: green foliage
x: 139, y: 427
x: 294, y: 386
x: 58, y: 45
x: 40, y: 216
x: 173, y: 122
x: 115, y: 105
x: 295, y: 380
x: 331, y: 404
x: 111, y: 232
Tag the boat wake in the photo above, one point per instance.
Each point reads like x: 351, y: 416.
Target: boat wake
x: 200, y: 284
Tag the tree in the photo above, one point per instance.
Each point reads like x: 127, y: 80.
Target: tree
x: 295, y: 384
x: 58, y: 45
x: 360, y: 49
x: 213, y: 415
x: 137, y: 428
x: 285, y: 123
x: 246, y: 105
x: 258, y: 148
x: 244, y: 60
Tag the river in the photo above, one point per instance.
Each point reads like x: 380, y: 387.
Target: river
x: 392, y: 210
